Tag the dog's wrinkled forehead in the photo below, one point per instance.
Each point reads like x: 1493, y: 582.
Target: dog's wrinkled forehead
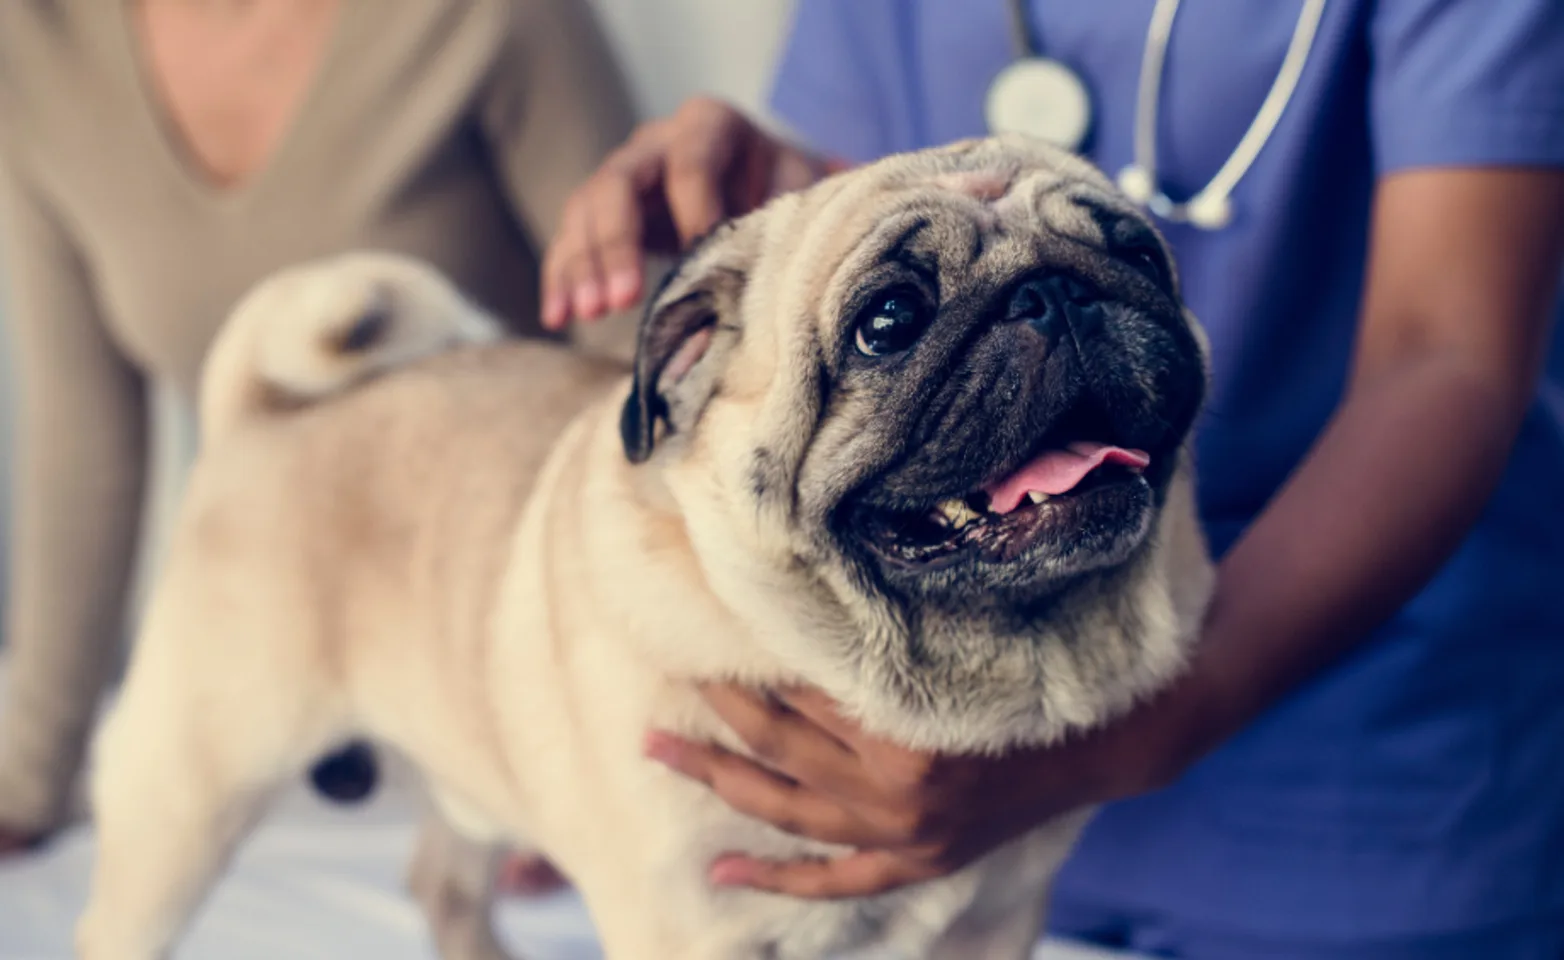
x: 1013, y: 185
x: 957, y: 227
x: 978, y: 213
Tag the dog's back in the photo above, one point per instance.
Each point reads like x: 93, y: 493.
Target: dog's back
x: 368, y: 443
x: 364, y: 454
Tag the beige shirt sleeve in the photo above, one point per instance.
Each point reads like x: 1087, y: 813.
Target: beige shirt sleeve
x: 80, y: 447
x: 555, y: 106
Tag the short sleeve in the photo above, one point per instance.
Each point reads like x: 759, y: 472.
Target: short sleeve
x: 1467, y: 83
x: 846, y: 81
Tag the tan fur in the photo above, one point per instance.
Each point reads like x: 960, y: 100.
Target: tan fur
x: 457, y: 561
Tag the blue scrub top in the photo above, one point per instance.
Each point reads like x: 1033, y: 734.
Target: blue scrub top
x: 1418, y: 787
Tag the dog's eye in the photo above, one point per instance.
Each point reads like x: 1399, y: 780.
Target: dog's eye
x: 892, y: 323
x: 1148, y: 259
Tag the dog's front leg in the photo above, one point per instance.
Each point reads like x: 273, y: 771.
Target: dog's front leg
x: 452, y: 877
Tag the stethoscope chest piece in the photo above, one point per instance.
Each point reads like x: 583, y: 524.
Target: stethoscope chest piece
x: 1042, y: 98
x: 1209, y: 209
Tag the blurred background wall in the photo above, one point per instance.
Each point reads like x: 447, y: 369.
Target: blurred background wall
x: 670, y: 49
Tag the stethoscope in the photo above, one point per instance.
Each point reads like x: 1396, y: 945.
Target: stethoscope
x: 1042, y: 97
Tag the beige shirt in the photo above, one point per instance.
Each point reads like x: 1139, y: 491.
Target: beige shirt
x: 450, y: 129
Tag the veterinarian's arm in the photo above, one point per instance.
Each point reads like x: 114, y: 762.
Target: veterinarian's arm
x: 671, y: 182
x: 1464, y: 268
x: 75, y: 509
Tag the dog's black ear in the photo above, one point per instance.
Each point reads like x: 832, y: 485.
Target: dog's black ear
x: 697, y: 303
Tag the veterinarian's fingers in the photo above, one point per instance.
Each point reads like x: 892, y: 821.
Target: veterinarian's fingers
x: 612, y: 203
x: 786, y: 741
x: 555, y: 311
x: 904, y: 774
x: 528, y: 876
x: 694, y: 195
x: 751, y: 710
x: 587, y: 297
x: 754, y: 791
x: 822, y: 712
x: 617, y: 237
x: 711, y: 138
x: 693, y: 760
x: 856, y: 875
x: 568, y: 267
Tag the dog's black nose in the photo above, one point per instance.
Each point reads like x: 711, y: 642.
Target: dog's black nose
x: 1057, y: 305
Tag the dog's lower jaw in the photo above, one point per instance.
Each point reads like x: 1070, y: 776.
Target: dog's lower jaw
x: 1125, y: 635
x: 1032, y: 688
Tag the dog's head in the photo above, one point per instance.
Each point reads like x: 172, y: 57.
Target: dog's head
x: 946, y: 396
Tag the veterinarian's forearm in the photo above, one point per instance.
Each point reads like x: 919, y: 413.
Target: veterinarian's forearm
x: 1401, y: 474
x: 1462, y: 281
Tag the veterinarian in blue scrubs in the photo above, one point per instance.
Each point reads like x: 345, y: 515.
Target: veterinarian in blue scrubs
x: 1368, y: 761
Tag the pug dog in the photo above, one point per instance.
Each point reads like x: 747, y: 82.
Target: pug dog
x: 917, y: 436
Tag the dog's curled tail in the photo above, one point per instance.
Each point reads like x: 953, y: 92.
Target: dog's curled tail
x: 316, y: 329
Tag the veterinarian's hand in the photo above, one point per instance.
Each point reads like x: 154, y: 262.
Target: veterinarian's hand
x: 528, y: 876
x: 671, y: 182
x: 912, y: 816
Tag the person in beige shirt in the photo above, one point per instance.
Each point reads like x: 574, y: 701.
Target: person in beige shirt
x: 157, y: 157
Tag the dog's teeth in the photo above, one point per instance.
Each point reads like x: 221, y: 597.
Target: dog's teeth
x: 1036, y: 496
x: 957, y: 512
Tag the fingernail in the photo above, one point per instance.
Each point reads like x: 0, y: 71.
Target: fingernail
x: 555, y: 309
x: 623, y: 287
x: 556, y: 304
x: 661, y: 747
x: 588, y: 300
x: 731, y: 872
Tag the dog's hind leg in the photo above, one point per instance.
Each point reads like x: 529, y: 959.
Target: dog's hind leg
x: 452, y: 878
x: 202, y: 735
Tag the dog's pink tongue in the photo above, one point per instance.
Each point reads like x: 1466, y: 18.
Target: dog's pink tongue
x: 1059, y: 471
